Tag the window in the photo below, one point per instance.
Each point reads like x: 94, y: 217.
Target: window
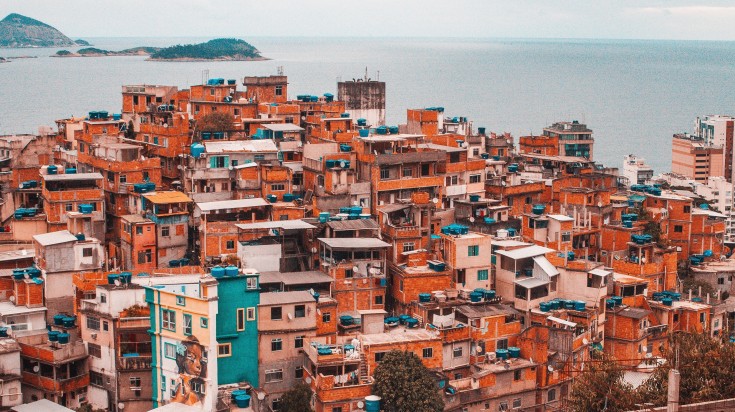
x: 482, y: 274
x: 252, y: 283
x: 475, y: 178
x: 473, y: 250
x: 87, y: 252
x: 93, y: 323
x: 94, y: 350
x: 103, y: 298
x: 203, y: 323
x: 279, y: 90
x: 145, y: 256
x: 326, y: 317
x: 276, y: 345
x: 300, y: 311
x: 428, y: 352
x: 384, y: 173
x: 452, y: 180
x: 123, y: 178
x: 96, y: 379
x: 69, y: 207
x: 168, y: 319
x: 230, y: 244
x: 218, y: 162
x: 379, y: 356
x: 274, y: 375
x: 163, y: 383
x: 298, y: 342
x: 687, y: 209
x: 276, y: 313
x: 337, y: 409
x: 458, y: 352
x: 407, y: 172
x: 259, y: 157
x: 279, y: 187
x: 348, y: 273
x: 551, y: 395
x: 676, y: 317
x: 187, y: 325
x: 400, y: 285
x: 701, y: 317
x: 241, y: 319
x: 225, y: 186
x: 251, y: 314
x: 139, y: 230
x: 379, y: 299
x: 165, y: 231
x: 169, y: 350
x: 566, y: 236
x: 224, y: 350
x: 299, y: 372
x: 105, y: 325
x: 134, y: 382
x: 720, y: 281
x: 517, y: 375
x: 408, y: 246
x: 502, y: 344
x: 516, y: 403
x: 678, y: 228
x: 276, y: 405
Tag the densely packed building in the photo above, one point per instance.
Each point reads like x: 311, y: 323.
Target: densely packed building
x: 209, y: 247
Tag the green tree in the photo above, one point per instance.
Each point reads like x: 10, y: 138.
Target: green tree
x: 130, y: 131
x: 601, y: 387
x: 296, y: 399
x: 216, y: 122
x: 694, y: 285
x: 404, y: 384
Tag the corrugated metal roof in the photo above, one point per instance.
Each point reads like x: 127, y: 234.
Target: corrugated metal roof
x: 262, y: 145
x: 530, y: 283
x: 283, y: 127
x: 55, y: 238
x: 41, y: 405
x: 167, y: 197
x: 359, y: 224
x: 600, y: 272
x: 231, y: 204
x: 72, y: 176
x: 295, y: 278
x: 546, y: 266
x: 354, y: 243
x: 393, y: 207
x: 283, y: 298
x: 526, y: 252
x: 277, y: 224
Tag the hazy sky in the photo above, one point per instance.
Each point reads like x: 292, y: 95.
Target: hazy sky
x: 618, y: 19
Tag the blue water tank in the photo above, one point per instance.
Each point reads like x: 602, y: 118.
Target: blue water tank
x: 52, y: 169
x: 412, y: 323
x: 346, y: 320
x: 231, y: 270
x: 323, y: 217
x: 313, y: 99
x: 70, y: 170
x: 381, y: 130
x: 362, y: 122
x: 476, y: 297
x: 272, y: 198
x: 53, y: 336
x: 242, y: 401
x: 481, y: 130
x: 69, y: 321
x: 474, y: 198
x: 196, y: 150
x: 513, y: 168
x: 403, y: 318
x: 424, y: 297
x: 489, y: 294
x: 80, y: 236
x: 618, y: 300
x: 237, y: 393
x: 126, y: 277
x: 390, y: 320
x: 372, y: 403
x: 343, y: 147
x: 328, y: 97
x: 116, y: 116
x: 218, y: 271
x: 112, y: 277
x: 393, y: 129
x: 580, y: 305
x: 59, y: 319
x: 538, y: 209
x: 63, y: 338
x: 364, y: 132
x: 85, y: 208
x: 544, y: 306
x: 330, y: 163
x: 501, y: 354
x: 667, y: 301
x: 514, y: 352
x: 344, y: 115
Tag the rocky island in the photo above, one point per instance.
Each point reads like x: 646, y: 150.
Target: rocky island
x: 95, y: 52
x: 20, y: 31
x: 217, y: 49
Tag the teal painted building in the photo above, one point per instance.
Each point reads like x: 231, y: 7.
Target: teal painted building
x: 237, y: 328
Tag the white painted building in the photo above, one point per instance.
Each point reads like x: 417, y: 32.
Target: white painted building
x: 635, y: 170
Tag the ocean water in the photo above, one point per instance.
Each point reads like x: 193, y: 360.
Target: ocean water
x: 633, y: 94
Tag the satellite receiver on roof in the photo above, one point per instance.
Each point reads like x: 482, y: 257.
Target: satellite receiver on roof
x: 435, y: 200
x: 472, y: 219
x: 550, y: 368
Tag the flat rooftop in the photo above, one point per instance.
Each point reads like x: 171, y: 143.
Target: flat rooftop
x: 398, y: 335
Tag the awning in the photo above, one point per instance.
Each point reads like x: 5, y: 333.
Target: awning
x: 600, y: 272
x: 525, y: 252
x: 562, y: 322
x: 530, y: 283
x: 546, y: 266
x: 276, y: 224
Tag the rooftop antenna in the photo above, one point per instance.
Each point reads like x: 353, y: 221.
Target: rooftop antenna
x: 366, y: 73
x: 279, y: 70
x: 378, y: 75
x: 205, y: 76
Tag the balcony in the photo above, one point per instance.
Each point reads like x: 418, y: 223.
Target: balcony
x: 38, y: 347
x: 455, y: 190
x: 56, y: 385
x: 396, y: 232
x: 128, y: 363
x: 455, y: 334
x: 135, y: 323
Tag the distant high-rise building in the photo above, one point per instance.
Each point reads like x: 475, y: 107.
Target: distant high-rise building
x: 717, y: 130
x: 575, y: 139
x: 364, y: 99
x: 636, y: 170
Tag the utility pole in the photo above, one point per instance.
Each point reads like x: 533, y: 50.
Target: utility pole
x: 672, y: 404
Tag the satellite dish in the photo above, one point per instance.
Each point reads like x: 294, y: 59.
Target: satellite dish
x: 308, y: 380
x: 120, y: 405
x: 585, y: 341
x: 117, y: 282
x: 550, y: 368
x: 261, y: 395
x: 314, y: 250
x: 342, y: 164
x: 290, y: 316
x: 434, y: 200
x: 478, y: 349
x: 506, y: 366
x: 355, y: 268
x: 472, y: 219
x: 649, y: 355
x: 27, y: 276
x: 645, y: 349
x: 11, y: 299
x: 360, y: 404
x: 35, y: 368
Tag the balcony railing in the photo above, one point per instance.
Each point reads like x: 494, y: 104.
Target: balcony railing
x: 134, y: 362
x: 138, y: 322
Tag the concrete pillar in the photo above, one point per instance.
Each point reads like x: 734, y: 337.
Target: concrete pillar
x: 673, y: 393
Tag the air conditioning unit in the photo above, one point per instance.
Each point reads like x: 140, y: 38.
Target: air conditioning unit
x: 93, y: 335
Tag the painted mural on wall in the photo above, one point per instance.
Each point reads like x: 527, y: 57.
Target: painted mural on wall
x: 191, y: 360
